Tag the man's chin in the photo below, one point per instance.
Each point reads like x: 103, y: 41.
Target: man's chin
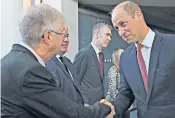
x: 64, y: 51
x: 105, y: 45
x: 131, y: 41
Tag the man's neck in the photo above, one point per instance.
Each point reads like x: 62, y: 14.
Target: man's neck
x: 145, y: 32
x: 61, y: 54
x: 43, y: 55
x: 96, y: 45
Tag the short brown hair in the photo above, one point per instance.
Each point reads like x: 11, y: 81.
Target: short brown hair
x: 98, y: 27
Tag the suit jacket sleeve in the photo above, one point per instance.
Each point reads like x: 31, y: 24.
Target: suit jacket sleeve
x: 52, y: 67
x: 125, y: 97
x: 42, y: 98
x: 81, y: 64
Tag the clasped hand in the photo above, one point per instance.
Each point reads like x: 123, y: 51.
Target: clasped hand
x: 103, y: 101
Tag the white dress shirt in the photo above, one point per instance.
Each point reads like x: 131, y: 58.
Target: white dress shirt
x: 147, y: 46
x: 97, y: 51
x: 33, y: 52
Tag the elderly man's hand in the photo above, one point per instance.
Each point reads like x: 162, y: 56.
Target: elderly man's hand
x: 86, y: 105
x: 103, y: 101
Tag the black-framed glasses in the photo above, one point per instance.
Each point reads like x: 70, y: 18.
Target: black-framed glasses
x: 66, y: 34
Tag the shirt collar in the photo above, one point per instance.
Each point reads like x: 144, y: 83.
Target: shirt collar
x: 148, y: 41
x: 33, y: 52
x: 97, y: 51
x: 58, y: 56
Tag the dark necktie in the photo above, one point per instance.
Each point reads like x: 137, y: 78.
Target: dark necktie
x: 101, y: 63
x: 65, y: 67
x: 142, y: 66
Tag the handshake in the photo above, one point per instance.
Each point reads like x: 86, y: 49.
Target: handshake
x: 104, y: 101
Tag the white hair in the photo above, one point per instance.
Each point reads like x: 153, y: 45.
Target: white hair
x: 37, y: 20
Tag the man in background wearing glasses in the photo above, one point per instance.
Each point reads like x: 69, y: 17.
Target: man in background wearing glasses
x: 63, y: 71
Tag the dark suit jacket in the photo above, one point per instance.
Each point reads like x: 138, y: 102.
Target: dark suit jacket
x: 159, y: 101
x: 64, y: 80
x: 30, y: 91
x: 87, y: 67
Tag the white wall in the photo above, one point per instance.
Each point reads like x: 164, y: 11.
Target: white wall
x: 10, y: 14
x: 70, y: 12
x: 54, y: 3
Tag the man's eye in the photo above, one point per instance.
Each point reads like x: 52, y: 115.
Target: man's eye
x: 123, y: 24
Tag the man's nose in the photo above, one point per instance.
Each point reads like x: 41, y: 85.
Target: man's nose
x: 109, y: 38
x: 66, y: 38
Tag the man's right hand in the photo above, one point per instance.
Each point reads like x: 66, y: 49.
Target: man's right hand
x: 86, y: 105
x: 103, y: 101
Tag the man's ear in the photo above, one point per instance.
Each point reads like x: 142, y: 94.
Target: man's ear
x: 97, y: 35
x: 137, y: 15
x: 47, y: 37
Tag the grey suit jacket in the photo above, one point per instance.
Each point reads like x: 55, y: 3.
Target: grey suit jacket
x: 28, y: 90
x: 64, y: 80
x: 87, y: 67
x: 159, y: 101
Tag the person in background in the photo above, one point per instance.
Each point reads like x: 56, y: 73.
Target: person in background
x: 89, y: 61
x: 113, y: 76
x: 64, y: 73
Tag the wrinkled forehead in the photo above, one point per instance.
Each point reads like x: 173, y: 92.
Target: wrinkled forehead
x: 60, y: 27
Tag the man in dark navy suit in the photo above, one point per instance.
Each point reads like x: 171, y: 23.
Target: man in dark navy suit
x: 64, y: 73
x: 147, y: 67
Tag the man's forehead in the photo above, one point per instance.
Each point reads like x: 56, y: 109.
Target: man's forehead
x: 118, y: 16
x: 106, y: 29
x: 61, y: 27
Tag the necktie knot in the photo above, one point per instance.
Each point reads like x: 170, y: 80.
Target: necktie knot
x: 100, y: 53
x: 139, y: 46
x: 61, y: 58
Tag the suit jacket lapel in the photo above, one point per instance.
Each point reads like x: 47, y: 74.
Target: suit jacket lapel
x: 155, y: 51
x: 61, y: 66
x: 135, y: 72
x: 71, y: 69
x: 96, y: 59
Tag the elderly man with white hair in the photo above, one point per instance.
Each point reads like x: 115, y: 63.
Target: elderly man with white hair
x: 28, y: 88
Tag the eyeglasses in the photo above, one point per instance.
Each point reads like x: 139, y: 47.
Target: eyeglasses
x: 66, y: 34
